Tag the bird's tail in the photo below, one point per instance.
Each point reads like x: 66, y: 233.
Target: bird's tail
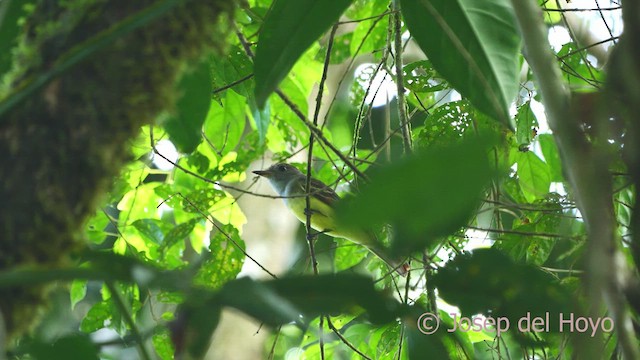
x: 399, y: 266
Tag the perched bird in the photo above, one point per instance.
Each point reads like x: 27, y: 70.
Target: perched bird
x: 290, y: 183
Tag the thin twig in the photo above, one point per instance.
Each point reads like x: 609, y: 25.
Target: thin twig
x: 313, y: 128
x: 189, y: 172
x: 345, y: 341
x: 319, y: 135
x: 210, y: 219
x: 357, y: 126
x: 352, y: 61
x: 583, y: 9
x: 272, y: 352
x: 587, y: 172
x: 316, y: 113
x: 365, y: 19
x: 230, y: 85
x: 524, y: 233
x: 310, y: 237
x: 402, y: 102
x: 573, y: 52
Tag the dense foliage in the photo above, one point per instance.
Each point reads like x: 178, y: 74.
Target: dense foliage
x: 517, y: 222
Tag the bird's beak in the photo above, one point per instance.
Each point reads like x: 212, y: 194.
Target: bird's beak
x: 265, y: 173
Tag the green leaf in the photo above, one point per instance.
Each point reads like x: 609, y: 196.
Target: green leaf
x: 539, y: 250
x: 338, y: 293
x: 287, y: 118
x: 370, y: 35
x: 348, y: 254
x: 95, y: 227
x: 97, y: 315
x: 225, y: 261
x: 426, y: 196
x: 288, y: 30
x: 11, y: 11
x: 551, y: 16
x: 532, y: 249
x: 185, y: 126
x: 474, y: 45
x: 232, y: 68
x: 77, y: 292
x: 420, y: 344
x: 199, y: 161
x: 78, y: 346
x: 283, y: 300
x: 461, y: 343
x: 261, y: 118
x: 516, y: 245
x: 201, y: 319
x: 357, y: 334
x: 162, y: 344
x: 419, y: 76
x: 178, y: 233
x: 534, y: 176
x: 201, y: 200
x: 445, y: 124
x: 340, y: 51
x: 551, y: 156
x: 227, y: 211
x: 235, y: 67
x: 225, y: 123
x: 385, y: 340
x: 579, y: 74
x: 150, y: 229
x: 526, y: 124
x: 487, y: 281
x: 259, y: 301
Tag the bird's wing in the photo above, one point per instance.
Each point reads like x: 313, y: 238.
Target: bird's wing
x: 321, y: 191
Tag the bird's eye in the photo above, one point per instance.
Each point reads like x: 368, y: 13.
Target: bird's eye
x: 282, y: 168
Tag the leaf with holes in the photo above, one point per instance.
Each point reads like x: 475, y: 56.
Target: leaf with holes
x: 225, y: 259
x: 474, y: 45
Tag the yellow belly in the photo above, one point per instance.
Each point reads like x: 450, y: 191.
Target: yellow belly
x: 322, y: 219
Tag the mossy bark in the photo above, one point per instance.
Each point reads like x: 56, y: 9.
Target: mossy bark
x: 64, y: 144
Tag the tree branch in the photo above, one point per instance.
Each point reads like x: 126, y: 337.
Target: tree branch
x: 402, y: 102
x: 587, y: 172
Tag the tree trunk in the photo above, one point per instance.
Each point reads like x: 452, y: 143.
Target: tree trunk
x: 64, y: 142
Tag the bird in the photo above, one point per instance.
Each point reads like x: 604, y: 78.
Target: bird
x: 290, y: 183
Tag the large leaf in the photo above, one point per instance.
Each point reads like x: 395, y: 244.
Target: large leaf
x: 225, y: 123
x: 489, y: 282
x: 193, y: 327
x: 284, y: 300
x: 230, y: 70
x: 259, y: 301
x: 289, y: 29
x: 185, y: 127
x: 439, y: 345
x: 534, y: 176
x: 474, y: 44
x: 551, y: 156
x: 426, y: 196
x: 80, y: 345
